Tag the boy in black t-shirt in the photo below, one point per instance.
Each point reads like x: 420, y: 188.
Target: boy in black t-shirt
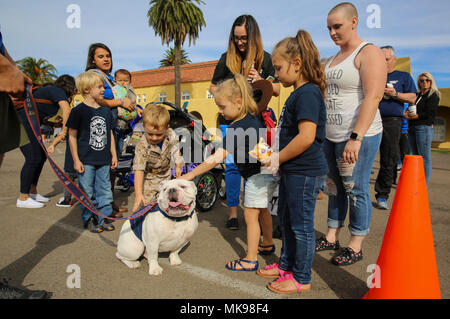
x: 93, y: 150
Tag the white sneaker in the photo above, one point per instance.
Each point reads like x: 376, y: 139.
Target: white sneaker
x: 39, y: 198
x: 29, y: 203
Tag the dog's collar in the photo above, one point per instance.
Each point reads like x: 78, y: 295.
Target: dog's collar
x: 177, y: 219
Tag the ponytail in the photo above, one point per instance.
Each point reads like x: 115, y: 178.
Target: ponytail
x: 303, y: 47
x: 246, y: 92
x: 238, y: 87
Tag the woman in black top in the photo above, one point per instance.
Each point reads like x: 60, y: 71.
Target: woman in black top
x: 245, y: 55
x: 420, y: 132
x: 49, y: 99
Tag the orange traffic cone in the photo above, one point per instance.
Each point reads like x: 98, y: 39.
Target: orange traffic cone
x: 407, y: 261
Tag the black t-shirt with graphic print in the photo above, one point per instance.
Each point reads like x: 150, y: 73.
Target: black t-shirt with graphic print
x: 94, y: 133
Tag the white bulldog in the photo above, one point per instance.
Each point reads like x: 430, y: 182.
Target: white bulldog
x: 167, y: 228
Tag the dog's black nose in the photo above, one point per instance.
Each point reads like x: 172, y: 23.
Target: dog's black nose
x: 172, y: 193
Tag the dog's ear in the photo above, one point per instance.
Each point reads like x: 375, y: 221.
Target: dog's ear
x: 162, y: 184
x: 194, y: 187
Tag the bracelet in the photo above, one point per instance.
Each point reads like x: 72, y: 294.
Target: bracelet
x: 121, y: 102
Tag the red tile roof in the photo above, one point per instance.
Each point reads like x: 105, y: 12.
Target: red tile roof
x: 193, y: 72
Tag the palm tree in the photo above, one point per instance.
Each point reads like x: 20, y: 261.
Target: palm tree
x: 174, y: 20
x: 169, y: 58
x: 39, y: 71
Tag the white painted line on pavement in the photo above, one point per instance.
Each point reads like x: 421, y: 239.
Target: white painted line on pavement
x: 228, y: 282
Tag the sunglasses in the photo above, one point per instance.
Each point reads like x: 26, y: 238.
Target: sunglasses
x: 423, y: 80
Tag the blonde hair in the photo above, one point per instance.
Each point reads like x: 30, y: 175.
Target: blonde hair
x: 433, y: 87
x: 235, y: 88
x: 156, y: 115
x: 255, y: 50
x: 301, y: 46
x: 86, y: 81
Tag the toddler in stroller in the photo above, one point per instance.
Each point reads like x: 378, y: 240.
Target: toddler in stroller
x: 195, y: 146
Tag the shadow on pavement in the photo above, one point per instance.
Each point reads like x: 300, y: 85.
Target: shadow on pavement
x: 53, y: 238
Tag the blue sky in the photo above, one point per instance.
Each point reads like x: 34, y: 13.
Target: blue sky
x: 418, y: 29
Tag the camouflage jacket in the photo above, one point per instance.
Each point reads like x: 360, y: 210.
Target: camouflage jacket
x: 155, y: 161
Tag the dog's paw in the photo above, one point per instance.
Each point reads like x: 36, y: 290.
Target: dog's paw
x: 174, y: 259
x: 155, y: 270
x: 130, y: 263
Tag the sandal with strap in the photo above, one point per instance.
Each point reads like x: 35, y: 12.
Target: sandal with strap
x: 298, y: 286
x: 281, y: 272
x: 265, y: 252
x: 323, y: 244
x: 347, y: 257
x: 232, y: 265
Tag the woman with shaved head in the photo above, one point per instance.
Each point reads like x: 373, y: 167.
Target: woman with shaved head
x: 356, y: 78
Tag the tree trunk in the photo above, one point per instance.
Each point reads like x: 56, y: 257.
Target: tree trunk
x: 177, y: 73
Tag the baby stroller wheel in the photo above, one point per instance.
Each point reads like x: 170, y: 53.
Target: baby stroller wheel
x: 207, y: 191
x: 222, y: 189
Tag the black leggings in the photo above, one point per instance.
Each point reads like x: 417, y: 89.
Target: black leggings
x: 34, y: 158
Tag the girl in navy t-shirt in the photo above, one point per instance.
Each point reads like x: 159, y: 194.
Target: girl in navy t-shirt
x: 235, y: 103
x: 302, y: 163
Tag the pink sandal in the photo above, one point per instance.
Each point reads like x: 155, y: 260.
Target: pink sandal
x: 291, y: 278
x: 281, y: 272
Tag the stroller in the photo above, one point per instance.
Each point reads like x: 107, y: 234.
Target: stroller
x: 195, y: 146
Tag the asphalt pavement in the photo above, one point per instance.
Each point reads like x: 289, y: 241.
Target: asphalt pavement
x: 47, y: 248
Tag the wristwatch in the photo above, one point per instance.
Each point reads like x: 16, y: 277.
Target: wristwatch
x: 354, y: 136
x: 395, y: 96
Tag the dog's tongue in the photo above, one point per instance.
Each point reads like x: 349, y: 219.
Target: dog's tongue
x: 178, y: 204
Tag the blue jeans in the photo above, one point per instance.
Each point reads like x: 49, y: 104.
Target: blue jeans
x: 419, y: 138
x: 119, y: 139
x: 232, y: 177
x: 351, y: 189
x: 296, y: 204
x: 95, y: 183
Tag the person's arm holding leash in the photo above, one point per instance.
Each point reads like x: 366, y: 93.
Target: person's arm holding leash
x: 11, y: 78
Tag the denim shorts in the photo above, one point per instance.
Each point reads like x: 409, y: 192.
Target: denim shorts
x: 259, y: 189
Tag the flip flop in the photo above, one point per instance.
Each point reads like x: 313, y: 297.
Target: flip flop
x: 281, y: 272
x: 291, y: 278
x: 266, y: 252
x: 238, y: 262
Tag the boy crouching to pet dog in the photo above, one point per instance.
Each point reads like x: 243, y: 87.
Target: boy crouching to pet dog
x: 155, y: 155
x: 93, y: 150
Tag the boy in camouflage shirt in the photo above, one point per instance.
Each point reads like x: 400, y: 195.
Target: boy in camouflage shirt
x: 155, y: 155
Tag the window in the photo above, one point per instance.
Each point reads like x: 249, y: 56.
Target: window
x: 162, y: 97
x: 439, y: 130
x: 138, y: 98
x: 185, y: 95
x: 209, y: 95
x: 144, y: 98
